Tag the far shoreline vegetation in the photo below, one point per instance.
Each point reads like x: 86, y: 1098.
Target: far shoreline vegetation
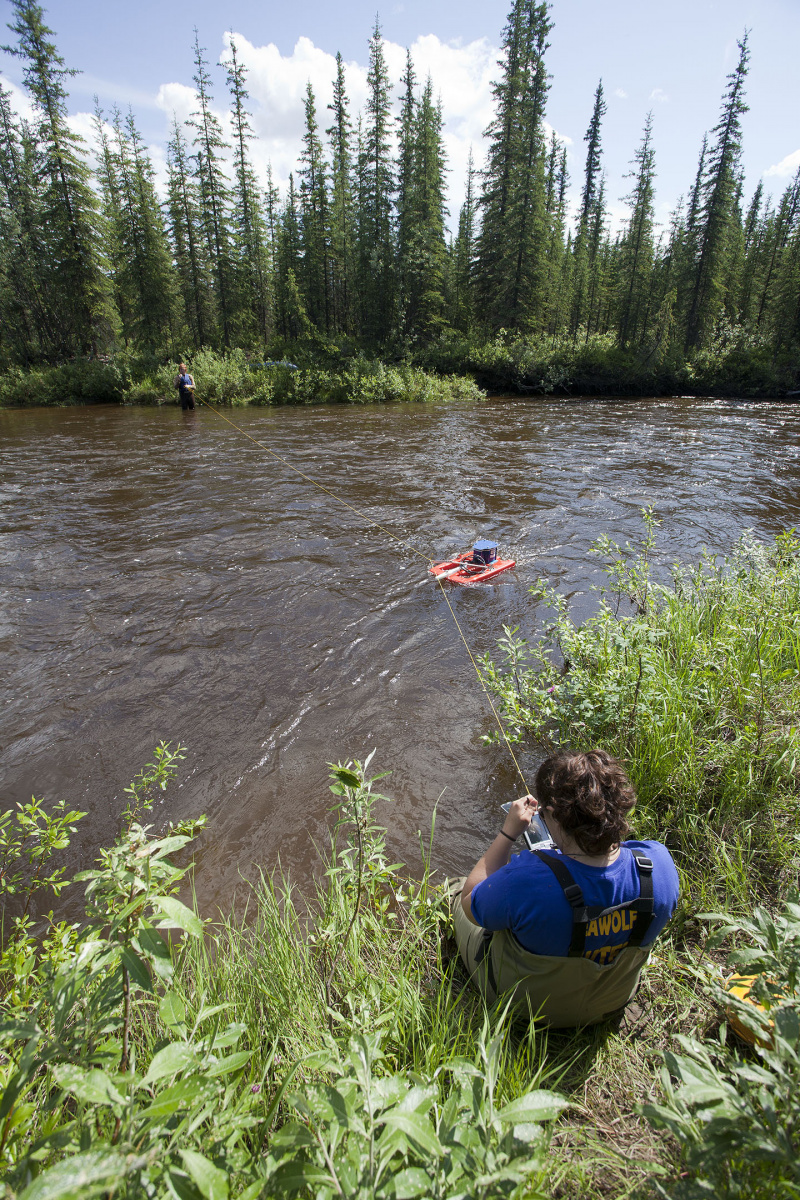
x: 105, y: 284
x: 452, y: 369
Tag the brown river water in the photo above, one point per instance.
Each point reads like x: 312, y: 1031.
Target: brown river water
x: 163, y: 578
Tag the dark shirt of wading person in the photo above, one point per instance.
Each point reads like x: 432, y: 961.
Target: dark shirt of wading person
x: 565, y: 932
x: 185, y: 385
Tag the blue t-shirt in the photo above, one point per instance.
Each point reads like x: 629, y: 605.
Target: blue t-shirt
x: 525, y: 897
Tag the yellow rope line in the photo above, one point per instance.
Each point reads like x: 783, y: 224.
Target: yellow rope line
x: 401, y: 541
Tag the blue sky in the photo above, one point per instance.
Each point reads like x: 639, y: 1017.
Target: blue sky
x: 671, y: 58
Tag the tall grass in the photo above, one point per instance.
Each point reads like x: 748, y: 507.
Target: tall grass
x: 696, y: 687
x: 292, y: 960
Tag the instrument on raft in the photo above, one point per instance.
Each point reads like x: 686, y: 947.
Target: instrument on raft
x: 474, y: 566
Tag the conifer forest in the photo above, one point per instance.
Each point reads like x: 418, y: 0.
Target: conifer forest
x: 356, y: 259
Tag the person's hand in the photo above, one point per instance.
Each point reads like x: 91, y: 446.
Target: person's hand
x: 519, y: 816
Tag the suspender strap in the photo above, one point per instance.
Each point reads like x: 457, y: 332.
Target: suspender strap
x: 574, y: 896
x: 581, y: 915
x: 644, y: 905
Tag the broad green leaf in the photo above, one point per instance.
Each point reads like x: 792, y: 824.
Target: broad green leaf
x: 92, y: 1087
x: 413, y: 1181
x: 232, y: 1063
x: 152, y: 944
x: 226, y: 1037
x: 180, y: 1185
x: 178, y: 914
x: 172, y: 1010
x: 136, y: 969
x: 81, y: 1176
x: 175, y: 1057
x: 18, y: 1031
x: 527, y: 1133
x: 295, y: 1176
x: 181, y: 1095
x: 253, y: 1191
x: 292, y: 1134
x: 348, y: 778
x: 415, y: 1127
x: 535, y: 1106
x: 787, y: 1024
x: 417, y: 1099
x: 167, y: 845
x: 210, y: 1010
x: 212, y: 1182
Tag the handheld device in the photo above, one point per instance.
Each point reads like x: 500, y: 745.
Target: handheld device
x: 537, y: 836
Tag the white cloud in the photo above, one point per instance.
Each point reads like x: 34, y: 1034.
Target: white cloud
x: 82, y: 123
x: 19, y: 99
x: 786, y: 167
x: 620, y: 93
x: 659, y: 95
x: 461, y: 75
x: 176, y: 98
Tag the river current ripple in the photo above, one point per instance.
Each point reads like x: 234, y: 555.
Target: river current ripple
x: 163, y: 578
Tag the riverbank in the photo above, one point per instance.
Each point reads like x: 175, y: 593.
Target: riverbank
x: 331, y: 1041
x: 452, y: 368
x: 235, y: 380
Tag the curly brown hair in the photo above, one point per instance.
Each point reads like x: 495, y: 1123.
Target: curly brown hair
x: 590, y: 796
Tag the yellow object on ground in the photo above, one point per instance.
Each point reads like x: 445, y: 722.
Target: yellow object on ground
x: 741, y: 987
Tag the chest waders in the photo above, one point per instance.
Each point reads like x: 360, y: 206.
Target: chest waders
x: 561, y: 991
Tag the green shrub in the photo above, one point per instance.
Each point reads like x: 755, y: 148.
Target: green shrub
x: 307, y: 1063
x: 734, y: 1111
x: 83, y: 381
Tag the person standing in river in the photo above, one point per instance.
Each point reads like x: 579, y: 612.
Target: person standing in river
x: 569, y: 928
x: 184, y: 382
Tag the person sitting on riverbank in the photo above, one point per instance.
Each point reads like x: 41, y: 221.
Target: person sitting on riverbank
x: 185, y: 385
x: 567, y: 929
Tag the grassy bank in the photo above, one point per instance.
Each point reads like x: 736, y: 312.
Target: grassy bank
x: 234, y: 379
x: 329, y: 1044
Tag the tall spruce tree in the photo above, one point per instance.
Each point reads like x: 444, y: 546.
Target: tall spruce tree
x: 290, y: 310
x: 315, y: 220
x: 423, y: 269
x: 636, y: 247
x: 250, y: 240
x: 585, y: 246
x: 107, y: 173
x: 376, y: 191
x: 753, y: 244
x: 214, y: 196
x: 188, y: 242
x: 72, y: 269
x: 342, y: 216
x: 778, y: 233
x: 784, y: 308
x: 717, y: 200
x: 406, y: 137
x: 462, y: 260
x: 145, y: 273
x: 512, y: 243
x: 559, y: 255
x: 26, y: 330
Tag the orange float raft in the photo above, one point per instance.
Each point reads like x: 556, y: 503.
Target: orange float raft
x: 477, y: 565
